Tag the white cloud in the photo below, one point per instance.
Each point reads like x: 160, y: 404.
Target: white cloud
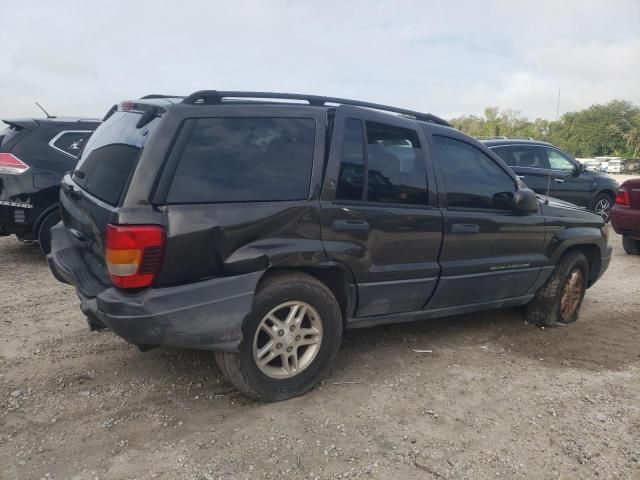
x: 445, y: 57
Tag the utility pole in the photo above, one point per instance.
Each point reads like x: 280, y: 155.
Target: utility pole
x: 558, y: 106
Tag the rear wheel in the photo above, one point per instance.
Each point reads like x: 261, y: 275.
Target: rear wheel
x: 631, y: 246
x: 558, y: 302
x: 44, y: 231
x: 602, y: 206
x: 290, y: 337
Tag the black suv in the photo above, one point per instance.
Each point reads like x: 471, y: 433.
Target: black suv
x: 260, y: 230
x: 34, y: 154
x: 544, y: 166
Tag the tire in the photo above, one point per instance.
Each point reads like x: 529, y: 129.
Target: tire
x: 278, y: 296
x: 44, y: 231
x: 546, y: 309
x: 602, y: 206
x: 630, y: 245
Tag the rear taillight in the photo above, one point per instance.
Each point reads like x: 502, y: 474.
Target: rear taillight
x: 134, y: 254
x: 11, y: 164
x: 622, y: 198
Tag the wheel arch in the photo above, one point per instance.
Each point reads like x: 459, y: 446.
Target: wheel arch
x: 335, y: 276
x: 592, y: 252
x: 35, y: 229
x: 607, y: 191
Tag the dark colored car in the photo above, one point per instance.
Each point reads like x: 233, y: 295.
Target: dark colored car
x: 261, y: 230
x: 625, y: 215
x: 34, y: 154
x: 544, y: 166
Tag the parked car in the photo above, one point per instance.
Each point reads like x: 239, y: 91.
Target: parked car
x: 261, y: 230
x: 544, y: 166
x: 625, y: 215
x: 34, y: 154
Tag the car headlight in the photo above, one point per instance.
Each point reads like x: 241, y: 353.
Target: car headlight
x: 605, y: 232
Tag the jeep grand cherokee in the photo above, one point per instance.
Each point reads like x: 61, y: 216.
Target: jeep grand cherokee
x: 261, y: 229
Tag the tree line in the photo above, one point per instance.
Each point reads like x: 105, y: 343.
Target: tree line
x: 609, y: 129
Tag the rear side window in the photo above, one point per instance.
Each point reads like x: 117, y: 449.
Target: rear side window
x: 111, y: 154
x: 395, y: 168
x: 505, y: 154
x: 245, y: 160
x: 472, y: 179
x: 70, y: 142
x: 528, y: 156
x: 351, y: 178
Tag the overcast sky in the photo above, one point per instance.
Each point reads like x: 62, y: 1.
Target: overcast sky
x: 445, y: 57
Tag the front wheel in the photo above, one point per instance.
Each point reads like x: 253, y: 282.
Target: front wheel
x: 558, y: 302
x: 290, y: 337
x: 602, y: 206
x: 630, y: 245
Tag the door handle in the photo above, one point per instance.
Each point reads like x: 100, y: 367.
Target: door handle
x: 350, y: 226
x: 465, y: 228
x: 559, y: 180
x: 521, y: 177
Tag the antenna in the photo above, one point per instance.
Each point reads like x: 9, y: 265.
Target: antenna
x: 45, y: 112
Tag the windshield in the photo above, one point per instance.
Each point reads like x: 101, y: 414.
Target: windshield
x: 111, y: 154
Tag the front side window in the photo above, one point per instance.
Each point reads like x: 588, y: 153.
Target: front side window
x: 472, y: 179
x: 558, y: 161
x: 395, y: 169
x: 241, y: 159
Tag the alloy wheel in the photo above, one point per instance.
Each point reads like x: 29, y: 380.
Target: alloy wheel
x: 571, y: 294
x: 287, y: 340
x: 603, y: 208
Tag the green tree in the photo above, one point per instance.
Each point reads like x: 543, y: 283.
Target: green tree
x: 611, y: 128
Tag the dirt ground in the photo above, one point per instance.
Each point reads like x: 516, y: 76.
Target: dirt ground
x: 496, y: 398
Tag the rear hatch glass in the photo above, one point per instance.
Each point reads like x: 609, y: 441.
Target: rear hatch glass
x: 110, y: 156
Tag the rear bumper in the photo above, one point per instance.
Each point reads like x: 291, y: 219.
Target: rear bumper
x: 626, y: 221
x: 205, y: 315
x: 16, y: 221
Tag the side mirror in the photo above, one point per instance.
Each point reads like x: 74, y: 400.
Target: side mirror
x: 525, y: 201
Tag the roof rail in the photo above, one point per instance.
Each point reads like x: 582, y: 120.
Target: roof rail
x: 214, y: 97
x: 156, y: 95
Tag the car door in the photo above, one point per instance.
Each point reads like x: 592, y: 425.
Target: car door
x: 529, y: 163
x: 378, y: 211
x: 490, y: 252
x: 568, y: 181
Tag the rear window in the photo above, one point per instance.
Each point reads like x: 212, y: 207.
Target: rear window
x: 245, y: 160
x: 110, y: 156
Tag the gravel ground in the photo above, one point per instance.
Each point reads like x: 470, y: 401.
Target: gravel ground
x: 495, y: 398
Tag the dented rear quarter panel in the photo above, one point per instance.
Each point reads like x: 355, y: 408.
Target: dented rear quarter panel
x: 218, y: 239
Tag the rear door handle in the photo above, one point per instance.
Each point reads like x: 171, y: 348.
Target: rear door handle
x: 465, y: 228
x: 350, y: 226
x: 559, y: 180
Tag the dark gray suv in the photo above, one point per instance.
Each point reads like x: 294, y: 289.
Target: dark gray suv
x: 542, y: 165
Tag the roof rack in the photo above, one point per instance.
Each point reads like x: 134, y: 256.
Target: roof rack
x: 159, y: 95
x: 214, y: 97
